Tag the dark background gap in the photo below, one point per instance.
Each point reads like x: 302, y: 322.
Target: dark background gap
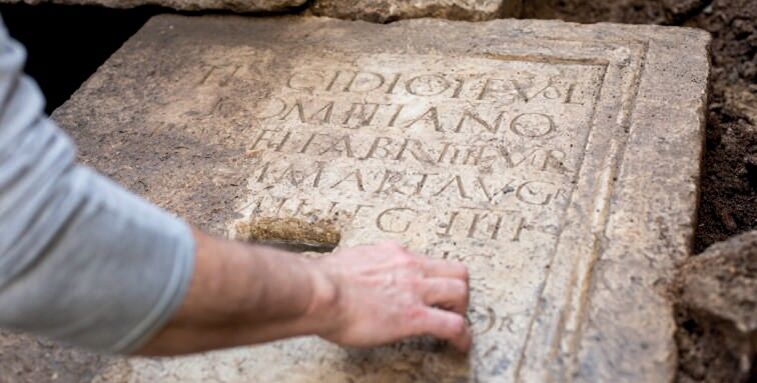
x: 66, y: 44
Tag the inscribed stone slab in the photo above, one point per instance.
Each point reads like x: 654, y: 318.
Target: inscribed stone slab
x: 390, y: 10
x: 559, y: 161
x: 184, y: 5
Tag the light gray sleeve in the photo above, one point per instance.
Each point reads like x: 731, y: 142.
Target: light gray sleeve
x: 81, y: 260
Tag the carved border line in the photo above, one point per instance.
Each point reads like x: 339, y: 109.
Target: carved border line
x: 607, y: 179
x: 617, y: 158
x: 573, y: 304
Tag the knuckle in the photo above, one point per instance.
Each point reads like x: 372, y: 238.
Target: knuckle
x: 464, y: 273
x: 417, y: 285
x: 415, y: 313
x: 408, y: 260
x: 459, y: 288
x: 461, y: 270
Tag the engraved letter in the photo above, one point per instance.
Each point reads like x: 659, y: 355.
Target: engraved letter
x: 297, y: 177
x: 448, y: 226
x: 533, y: 193
x: 276, y: 145
x: 356, y: 176
x: 344, y: 142
x: 378, y: 144
x: 325, y: 111
x: 363, y: 112
x: 431, y: 115
x: 427, y: 85
x: 270, y: 108
x: 460, y: 189
x: 532, y: 125
x: 493, y: 88
x: 364, y: 82
x: 390, y: 220
x: 304, y: 81
x: 492, y: 128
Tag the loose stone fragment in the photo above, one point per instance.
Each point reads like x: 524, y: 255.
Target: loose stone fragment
x: 390, y: 10
x: 717, y: 300
x: 558, y: 161
x: 184, y: 5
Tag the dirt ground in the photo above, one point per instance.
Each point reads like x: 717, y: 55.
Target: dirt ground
x: 728, y: 204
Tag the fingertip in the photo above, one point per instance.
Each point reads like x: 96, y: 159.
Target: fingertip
x: 466, y: 341
x: 464, y: 293
x: 460, y: 336
x: 465, y: 273
x: 458, y: 332
x: 462, y: 272
x: 449, y: 269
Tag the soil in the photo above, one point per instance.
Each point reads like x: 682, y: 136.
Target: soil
x: 728, y: 204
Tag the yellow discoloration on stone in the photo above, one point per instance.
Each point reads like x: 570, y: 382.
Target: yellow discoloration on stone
x: 320, y: 232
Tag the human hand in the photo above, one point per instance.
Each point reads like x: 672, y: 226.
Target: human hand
x: 372, y: 295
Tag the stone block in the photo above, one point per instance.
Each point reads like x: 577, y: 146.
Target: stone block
x: 390, y: 10
x: 559, y: 161
x: 182, y: 5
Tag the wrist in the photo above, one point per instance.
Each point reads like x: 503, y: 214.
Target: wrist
x: 323, y: 309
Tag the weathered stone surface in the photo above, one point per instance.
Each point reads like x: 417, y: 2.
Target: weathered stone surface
x: 559, y: 161
x: 390, y: 10
x: 183, y: 5
x: 717, y: 295
x: 24, y: 359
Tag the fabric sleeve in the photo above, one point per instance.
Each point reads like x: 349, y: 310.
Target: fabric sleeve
x: 82, y: 260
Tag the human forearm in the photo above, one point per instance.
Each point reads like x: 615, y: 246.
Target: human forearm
x: 241, y: 294
x: 82, y: 260
x: 85, y: 262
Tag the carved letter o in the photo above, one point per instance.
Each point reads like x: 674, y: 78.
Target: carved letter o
x: 532, y: 125
x: 427, y: 85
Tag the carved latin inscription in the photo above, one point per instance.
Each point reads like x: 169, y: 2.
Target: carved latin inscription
x: 435, y: 152
x: 437, y: 134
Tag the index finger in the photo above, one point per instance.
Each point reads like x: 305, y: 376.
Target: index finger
x: 445, y: 269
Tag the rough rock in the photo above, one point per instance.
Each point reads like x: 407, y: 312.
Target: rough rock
x: 717, y: 302
x: 183, y: 5
x: 390, y: 10
x: 558, y: 161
